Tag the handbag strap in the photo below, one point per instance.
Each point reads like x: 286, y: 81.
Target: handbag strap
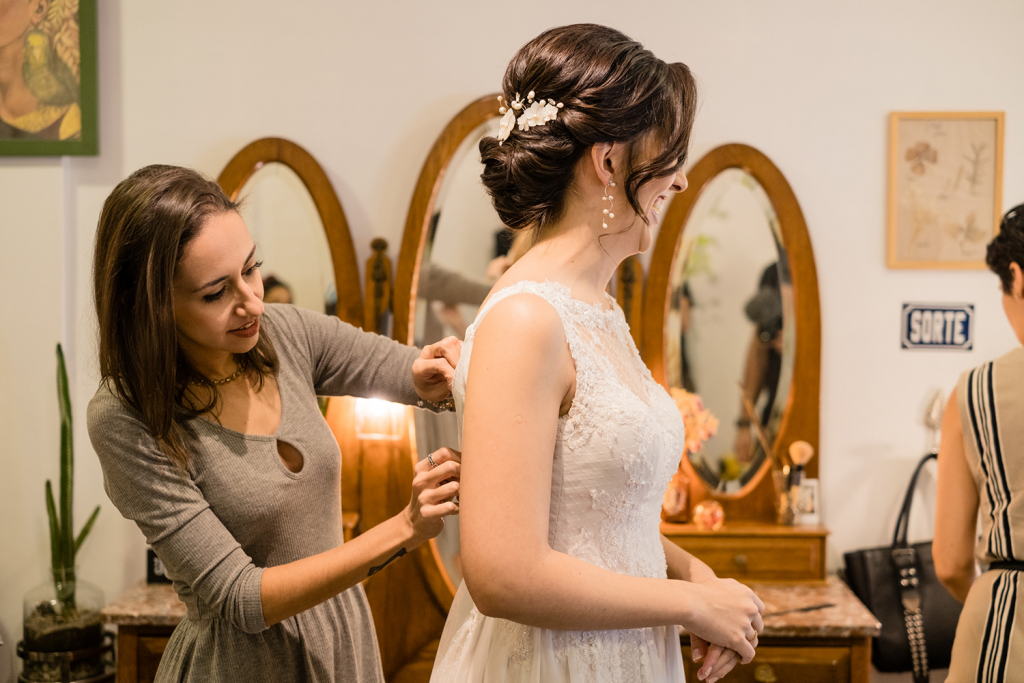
x: 899, y: 537
x: 907, y: 566
x: 905, y: 559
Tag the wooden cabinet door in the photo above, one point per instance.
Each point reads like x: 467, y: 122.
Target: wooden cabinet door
x: 785, y: 664
x: 150, y: 649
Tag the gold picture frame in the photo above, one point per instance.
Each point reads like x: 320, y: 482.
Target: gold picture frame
x: 945, y: 188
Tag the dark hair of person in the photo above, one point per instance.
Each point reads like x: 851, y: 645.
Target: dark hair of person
x: 612, y: 90
x: 1007, y: 247
x: 272, y: 281
x: 146, y: 224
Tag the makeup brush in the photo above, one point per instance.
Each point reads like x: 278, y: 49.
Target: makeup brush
x: 748, y: 407
x: 800, y: 452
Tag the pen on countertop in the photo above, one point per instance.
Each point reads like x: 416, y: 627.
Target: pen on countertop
x: 812, y: 608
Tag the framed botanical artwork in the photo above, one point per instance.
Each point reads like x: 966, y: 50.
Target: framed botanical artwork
x: 48, y: 99
x: 945, y: 187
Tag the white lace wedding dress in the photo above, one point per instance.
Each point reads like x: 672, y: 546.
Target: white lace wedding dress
x: 615, y: 452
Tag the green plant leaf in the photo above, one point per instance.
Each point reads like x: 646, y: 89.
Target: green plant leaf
x: 67, y: 536
x: 85, y: 529
x: 67, y: 463
x: 51, y: 512
x: 62, y: 387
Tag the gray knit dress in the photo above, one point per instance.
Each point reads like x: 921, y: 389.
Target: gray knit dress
x: 240, y: 510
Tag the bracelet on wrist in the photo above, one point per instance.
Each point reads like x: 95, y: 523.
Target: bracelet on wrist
x: 447, y: 404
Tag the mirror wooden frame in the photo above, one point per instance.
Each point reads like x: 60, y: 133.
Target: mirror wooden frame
x: 253, y: 157
x: 428, y: 186
x: 800, y: 421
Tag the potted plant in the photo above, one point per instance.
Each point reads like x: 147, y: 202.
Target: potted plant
x: 63, y: 614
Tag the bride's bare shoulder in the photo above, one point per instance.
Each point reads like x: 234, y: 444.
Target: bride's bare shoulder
x: 526, y: 312
x: 521, y: 342
x: 520, y: 325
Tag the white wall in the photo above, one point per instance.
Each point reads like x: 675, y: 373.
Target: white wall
x: 367, y: 87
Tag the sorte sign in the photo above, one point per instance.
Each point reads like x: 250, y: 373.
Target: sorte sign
x: 938, y: 326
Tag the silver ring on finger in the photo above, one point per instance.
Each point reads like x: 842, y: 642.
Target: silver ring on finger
x: 430, y: 459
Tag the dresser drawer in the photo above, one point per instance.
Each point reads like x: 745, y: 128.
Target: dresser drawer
x: 791, y: 558
x: 784, y: 664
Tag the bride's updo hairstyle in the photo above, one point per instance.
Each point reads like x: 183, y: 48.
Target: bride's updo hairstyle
x: 613, y: 90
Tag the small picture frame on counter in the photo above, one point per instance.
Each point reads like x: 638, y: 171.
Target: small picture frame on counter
x: 155, y: 568
x: 807, y: 513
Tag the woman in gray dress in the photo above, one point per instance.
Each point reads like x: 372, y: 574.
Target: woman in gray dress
x: 210, y: 438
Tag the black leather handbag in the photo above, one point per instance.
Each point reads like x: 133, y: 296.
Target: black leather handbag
x: 899, y: 586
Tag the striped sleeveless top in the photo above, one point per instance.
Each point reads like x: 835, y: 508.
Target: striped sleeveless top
x: 989, y: 645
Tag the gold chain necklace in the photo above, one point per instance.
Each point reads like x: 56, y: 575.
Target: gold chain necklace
x: 229, y: 378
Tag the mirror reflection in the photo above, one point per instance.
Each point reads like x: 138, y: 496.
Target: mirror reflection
x: 730, y: 334
x: 290, y: 239
x: 465, y: 251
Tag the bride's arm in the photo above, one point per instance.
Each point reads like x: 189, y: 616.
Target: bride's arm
x: 684, y: 566
x: 520, y: 376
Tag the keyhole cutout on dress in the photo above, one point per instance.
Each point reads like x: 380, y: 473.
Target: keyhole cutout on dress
x: 290, y: 456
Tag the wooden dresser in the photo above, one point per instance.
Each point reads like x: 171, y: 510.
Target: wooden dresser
x: 145, y: 617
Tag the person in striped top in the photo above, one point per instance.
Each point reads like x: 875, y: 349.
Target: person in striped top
x: 981, y: 469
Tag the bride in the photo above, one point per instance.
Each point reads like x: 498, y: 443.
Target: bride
x: 568, y: 443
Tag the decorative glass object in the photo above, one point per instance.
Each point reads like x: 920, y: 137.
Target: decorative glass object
x: 676, y: 505
x: 708, y: 515
x: 783, y: 506
x: 63, y: 615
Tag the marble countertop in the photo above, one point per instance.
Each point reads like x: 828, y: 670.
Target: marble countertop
x: 158, y: 605
x: 147, y: 604
x: 847, y: 618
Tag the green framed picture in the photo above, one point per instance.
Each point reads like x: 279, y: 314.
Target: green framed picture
x: 48, y: 107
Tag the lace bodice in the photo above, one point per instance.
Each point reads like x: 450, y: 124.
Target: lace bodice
x: 615, y: 451
x: 617, y: 447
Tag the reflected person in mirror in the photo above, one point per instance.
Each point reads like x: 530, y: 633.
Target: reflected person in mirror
x: 681, y: 302
x: 275, y: 291
x: 442, y: 289
x: 569, y: 443
x: 211, y: 440
x: 763, y: 363
x: 981, y: 468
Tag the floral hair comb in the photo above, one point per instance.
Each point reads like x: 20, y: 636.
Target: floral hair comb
x: 536, y: 113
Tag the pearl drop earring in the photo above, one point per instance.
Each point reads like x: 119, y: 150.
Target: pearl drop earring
x: 607, y: 197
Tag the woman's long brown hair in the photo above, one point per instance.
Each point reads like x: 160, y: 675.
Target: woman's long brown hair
x: 146, y: 223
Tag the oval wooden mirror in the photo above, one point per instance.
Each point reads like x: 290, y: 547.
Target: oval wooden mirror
x: 731, y: 313
x: 447, y: 264
x: 319, y: 266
